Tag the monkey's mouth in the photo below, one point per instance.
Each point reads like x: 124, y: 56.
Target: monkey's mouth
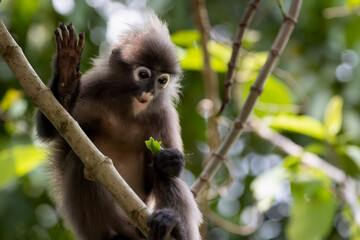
x: 142, y: 100
x: 140, y: 103
x: 145, y: 97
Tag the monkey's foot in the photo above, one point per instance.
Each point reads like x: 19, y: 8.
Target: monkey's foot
x: 164, y: 222
x: 68, y: 57
x: 169, y: 162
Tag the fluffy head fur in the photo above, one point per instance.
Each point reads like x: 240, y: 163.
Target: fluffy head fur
x: 146, y: 44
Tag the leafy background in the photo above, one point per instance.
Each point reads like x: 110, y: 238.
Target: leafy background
x: 312, y: 98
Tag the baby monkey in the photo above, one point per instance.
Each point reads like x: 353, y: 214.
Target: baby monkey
x: 127, y: 97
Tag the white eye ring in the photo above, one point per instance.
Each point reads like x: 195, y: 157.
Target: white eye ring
x: 141, y: 73
x: 163, y: 80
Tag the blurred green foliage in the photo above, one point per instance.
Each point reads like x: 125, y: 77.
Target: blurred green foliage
x: 316, y: 104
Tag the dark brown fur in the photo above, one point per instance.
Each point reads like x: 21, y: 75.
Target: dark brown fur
x: 103, y: 103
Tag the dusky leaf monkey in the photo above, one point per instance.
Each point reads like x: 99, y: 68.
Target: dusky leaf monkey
x: 125, y: 98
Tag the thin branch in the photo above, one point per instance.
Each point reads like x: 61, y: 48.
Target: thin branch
x: 209, y: 75
x: 281, y: 6
x: 293, y: 149
x: 347, y: 184
x: 97, y: 165
x: 237, y: 43
x: 286, y: 77
x: 229, y: 226
x: 294, y: 85
x: 237, y: 128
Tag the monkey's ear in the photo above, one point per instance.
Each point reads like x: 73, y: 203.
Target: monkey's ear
x: 116, y: 56
x: 117, y: 61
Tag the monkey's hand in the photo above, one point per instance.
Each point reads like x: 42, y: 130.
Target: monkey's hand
x: 164, y: 222
x: 68, y: 55
x: 169, y: 162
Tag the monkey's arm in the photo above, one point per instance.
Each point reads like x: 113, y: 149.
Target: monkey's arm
x: 176, y: 210
x: 66, y: 75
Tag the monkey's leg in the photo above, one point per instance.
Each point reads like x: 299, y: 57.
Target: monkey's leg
x: 66, y: 75
x: 88, y: 207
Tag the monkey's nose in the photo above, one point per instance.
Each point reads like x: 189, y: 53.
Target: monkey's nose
x: 150, y: 91
x: 146, y: 97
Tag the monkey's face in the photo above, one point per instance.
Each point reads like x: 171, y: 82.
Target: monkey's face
x: 151, y: 84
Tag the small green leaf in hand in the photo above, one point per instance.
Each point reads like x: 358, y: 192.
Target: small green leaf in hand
x: 153, y: 145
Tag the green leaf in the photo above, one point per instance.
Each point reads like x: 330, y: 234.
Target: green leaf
x: 300, y: 124
x: 253, y: 63
x: 291, y: 162
x: 317, y: 148
x: 350, y: 159
x: 12, y: 95
x: 276, y: 97
x: 19, y: 160
x: 190, y: 59
x: 220, y: 52
x: 153, y: 145
x: 312, y: 211
x: 186, y: 38
x: 353, y: 3
x: 333, y: 115
x: 353, y: 152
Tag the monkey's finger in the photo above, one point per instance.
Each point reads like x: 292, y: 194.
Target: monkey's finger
x: 58, y: 39
x: 80, y: 45
x: 78, y: 65
x: 64, y: 34
x: 72, y: 36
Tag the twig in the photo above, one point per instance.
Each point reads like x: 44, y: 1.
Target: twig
x: 98, y: 166
x: 209, y: 75
x: 237, y: 43
x: 294, y: 85
x: 347, y: 184
x: 293, y: 149
x: 281, y: 6
x: 229, y: 226
x: 237, y: 128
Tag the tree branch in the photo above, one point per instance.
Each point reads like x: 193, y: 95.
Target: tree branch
x: 229, y: 226
x: 237, y: 43
x: 97, y: 165
x: 237, y: 128
x: 294, y: 85
x: 347, y: 184
x: 209, y: 75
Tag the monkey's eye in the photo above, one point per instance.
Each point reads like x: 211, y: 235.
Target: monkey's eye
x: 164, y: 80
x: 141, y: 73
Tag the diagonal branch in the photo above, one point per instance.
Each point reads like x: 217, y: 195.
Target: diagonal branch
x: 231, y: 227
x: 237, y: 43
x: 346, y: 183
x: 237, y: 128
x: 97, y: 165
